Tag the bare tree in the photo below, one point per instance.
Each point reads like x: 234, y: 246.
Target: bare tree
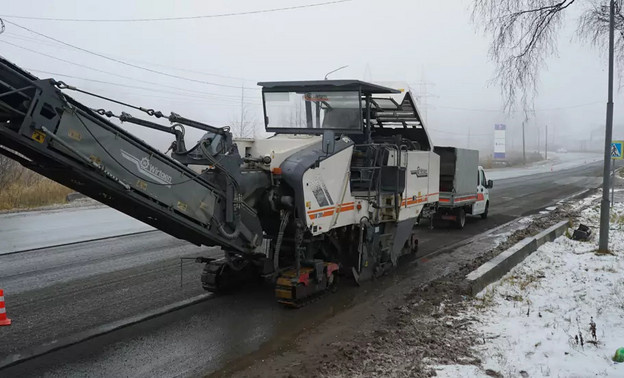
x: 594, y: 28
x: 244, y: 124
x: 524, y: 33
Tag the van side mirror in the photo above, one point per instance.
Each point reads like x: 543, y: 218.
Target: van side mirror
x: 490, y: 184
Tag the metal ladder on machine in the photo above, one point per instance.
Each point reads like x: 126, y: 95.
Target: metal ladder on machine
x: 366, y: 181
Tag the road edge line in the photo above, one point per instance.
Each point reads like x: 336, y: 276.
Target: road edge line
x: 18, y: 358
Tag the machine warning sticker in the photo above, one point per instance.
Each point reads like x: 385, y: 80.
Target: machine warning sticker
x: 331, y: 202
x: 95, y: 159
x: 141, y: 184
x: 182, y: 206
x: 319, y: 194
x: 420, y: 172
x: 38, y: 136
x: 75, y: 135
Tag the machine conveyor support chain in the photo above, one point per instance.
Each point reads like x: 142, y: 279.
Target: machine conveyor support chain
x: 173, y: 117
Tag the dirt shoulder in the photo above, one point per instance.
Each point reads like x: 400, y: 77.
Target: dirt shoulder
x: 411, y: 324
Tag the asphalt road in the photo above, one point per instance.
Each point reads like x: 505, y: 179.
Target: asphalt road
x: 56, y: 292
x: 28, y: 230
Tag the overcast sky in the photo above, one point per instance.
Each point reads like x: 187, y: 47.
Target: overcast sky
x: 431, y: 44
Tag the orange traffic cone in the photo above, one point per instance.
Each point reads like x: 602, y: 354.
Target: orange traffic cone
x: 4, y: 321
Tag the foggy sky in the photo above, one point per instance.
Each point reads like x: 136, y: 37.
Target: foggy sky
x: 430, y: 44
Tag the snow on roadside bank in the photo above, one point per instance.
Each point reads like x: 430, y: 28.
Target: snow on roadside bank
x: 531, y: 321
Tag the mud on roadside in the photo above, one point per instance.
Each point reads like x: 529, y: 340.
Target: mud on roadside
x: 429, y: 327
x: 413, y: 329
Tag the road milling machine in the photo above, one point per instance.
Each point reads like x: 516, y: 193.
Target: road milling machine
x: 336, y: 190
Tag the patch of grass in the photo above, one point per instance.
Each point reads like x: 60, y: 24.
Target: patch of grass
x: 608, y: 269
x: 37, y: 193
x: 515, y: 298
x: 524, y: 281
x: 485, y: 300
x: 616, y: 294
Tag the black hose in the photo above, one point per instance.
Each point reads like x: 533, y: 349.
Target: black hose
x: 278, y: 242
x: 228, y: 235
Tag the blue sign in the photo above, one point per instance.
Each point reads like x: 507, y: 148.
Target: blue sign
x: 616, y: 150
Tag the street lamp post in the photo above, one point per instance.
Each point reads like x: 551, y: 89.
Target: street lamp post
x: 603, y: 243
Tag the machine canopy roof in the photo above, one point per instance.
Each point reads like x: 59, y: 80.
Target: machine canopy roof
x: 325, y: 85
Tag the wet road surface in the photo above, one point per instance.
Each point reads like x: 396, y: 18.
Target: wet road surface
x: 99, y: 282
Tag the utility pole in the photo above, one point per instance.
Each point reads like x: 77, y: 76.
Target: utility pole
x: 546, y: 148
x: 539, y: 137
x: 242, y: 109
x: 603, y: 243
x: 468, y: 138
x: 523, y: 146
x: 423, y: 97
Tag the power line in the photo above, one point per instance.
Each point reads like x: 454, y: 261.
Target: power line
x: 57, y: 45
x: 116, y: 74
x: 180, y: 18
x: 124, y: 62
x: 501, y: 111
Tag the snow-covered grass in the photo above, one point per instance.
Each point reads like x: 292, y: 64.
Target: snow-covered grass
x: 532, y: 321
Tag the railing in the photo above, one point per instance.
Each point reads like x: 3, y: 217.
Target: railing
x: 371, y: 173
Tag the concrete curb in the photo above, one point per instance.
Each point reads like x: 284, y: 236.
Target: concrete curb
x: 494, y: 269
x: 18, y: 358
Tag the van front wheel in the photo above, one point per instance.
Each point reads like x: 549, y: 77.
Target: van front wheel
x: 485, y: 213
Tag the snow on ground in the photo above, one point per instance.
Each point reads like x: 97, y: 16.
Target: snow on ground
x: 531, y: 321
x: 38, y: 229
x: 556, y: 162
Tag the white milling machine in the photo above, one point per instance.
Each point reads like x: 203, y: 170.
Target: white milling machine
x: 337, y: 190
x: 362, y: 172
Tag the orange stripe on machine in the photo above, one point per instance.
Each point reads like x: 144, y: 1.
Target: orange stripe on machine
x: 417, y: 199
x: 329, y: 211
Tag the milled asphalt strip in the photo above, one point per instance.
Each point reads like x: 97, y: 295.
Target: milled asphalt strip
x: 76, y: 242
x: 31, y: 353
x: 451, y: 247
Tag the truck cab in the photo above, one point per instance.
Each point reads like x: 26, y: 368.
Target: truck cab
x: 482, y: 205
